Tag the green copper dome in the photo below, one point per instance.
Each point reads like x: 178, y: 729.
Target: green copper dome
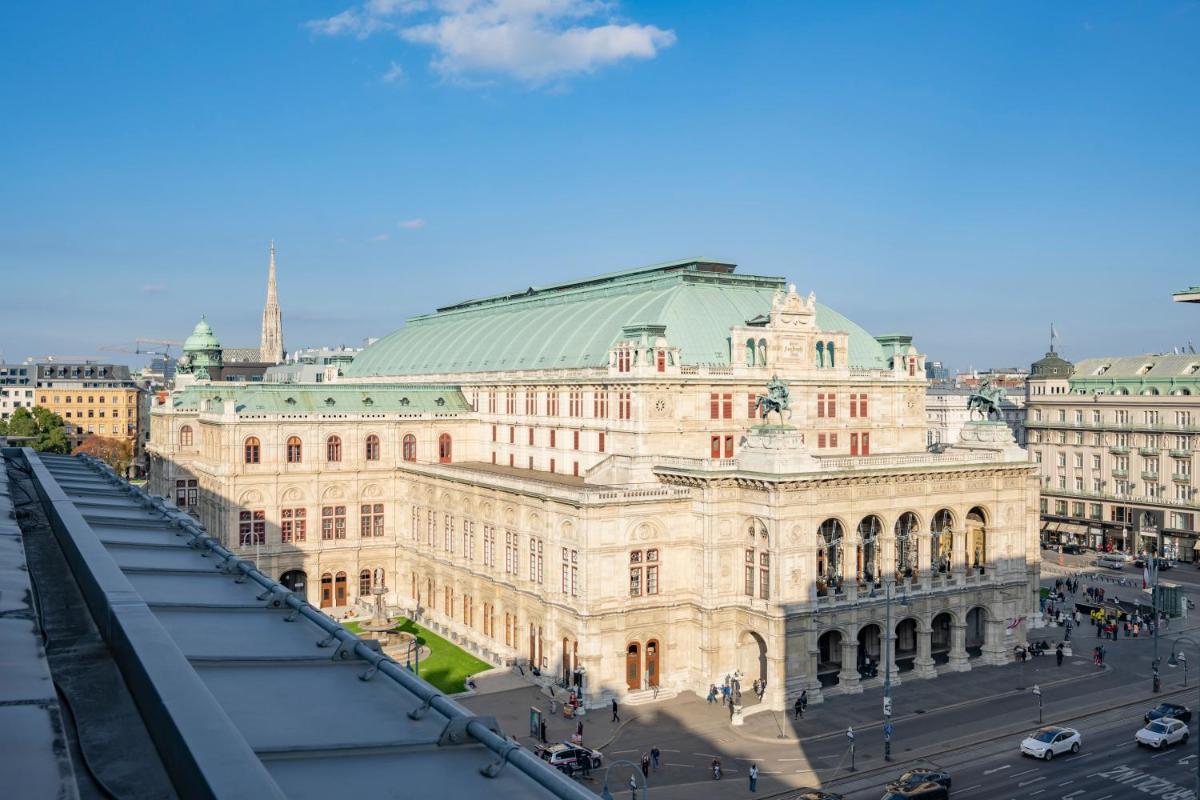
x: 202, y: 338
x: 572, y: 325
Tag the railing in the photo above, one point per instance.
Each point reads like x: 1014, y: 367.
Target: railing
x: 1148, y: 451
x: 688, y: 462
x: 903, y: 459
x: 1119, y: 450
x: 1120, y: 473
x: 1178, y: 453
x: 1147, y: 475
x: 1182, y: 477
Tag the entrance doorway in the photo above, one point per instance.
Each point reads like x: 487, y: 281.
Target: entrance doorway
x: 652, y: 656
x: 339, y: 589
x: 326, y: 590
x: 295, y: 580
x: 633, y: 667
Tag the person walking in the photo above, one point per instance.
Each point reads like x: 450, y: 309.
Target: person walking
x: 1058, y: 654
x: 616, y: 717
x: 655, y: 755
x: 712, y: 693
x: 753, y: 777
x: 587, y: 768
x: 645, y: 765
x: 632, y: 786
x: 799, y: 709
x: 542, y: 731
x: 579, y: 731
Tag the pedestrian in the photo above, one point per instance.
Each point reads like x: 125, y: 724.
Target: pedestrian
x: 553, y: 706
x: 799, y: 709
x: 804, y: 699
x: 755, y: 687
x: 712, y: 693
x: 655, y: 755
x: 762, y: 688
x: 616, y: 716
x: 587, y: 767
x: 753, y: 777
x: 542, y: 730
x: 645, y: 765
x: 1058, y: 654
x: 725, y: 695
x: 632, y: 786
x: 579, y: 731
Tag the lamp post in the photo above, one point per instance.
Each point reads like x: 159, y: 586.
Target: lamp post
x: 637, y: 770
x: 1038, y: 692
x: 1176, y: 657
x: 1152, y: 561
x: 889, y: 657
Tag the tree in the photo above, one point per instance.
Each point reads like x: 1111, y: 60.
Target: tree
x: 43, y: 430
x: 117, y: 453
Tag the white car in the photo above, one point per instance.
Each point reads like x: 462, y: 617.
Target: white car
x: 1051, y: 741
x: 1162, y: 732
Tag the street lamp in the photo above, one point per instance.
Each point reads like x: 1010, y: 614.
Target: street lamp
x: 889, y: 657
x: 1038, y: 692
x: 607, y: 795
x: 1172, y: 662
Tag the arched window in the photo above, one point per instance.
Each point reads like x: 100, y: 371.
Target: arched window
x: 762, y: 352
x: 868, y: 549
x: 294, y: 450
x: 829, y: 556
x: 749, y: 352
x: 941, y: 545
x: 253, y: 450
x: 364, y: 583
x: 444, y: 447
x: 333, y: 448
x: 829, y: 353
x: 820, y: 354
x: 185, y: 436
x: 906, y: 544
x: 976, y: 538
x: 372, y: 448
x: 410, y: 447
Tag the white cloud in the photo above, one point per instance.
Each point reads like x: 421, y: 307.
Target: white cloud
x: 383, y: 237
x: 535, y: 41
x: 154, y: 288
x: 411, y: 224
x: 395, y: 74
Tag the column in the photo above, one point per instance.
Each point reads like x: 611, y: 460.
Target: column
x: 811, y: 682
x: 848, y: 679
x: 958, y: 648
x: 958, y: 555
x: 995, y: 651
x: 923, y: 666
x: 777, y: 692
x: 923, y: 557
x: 887, y: 556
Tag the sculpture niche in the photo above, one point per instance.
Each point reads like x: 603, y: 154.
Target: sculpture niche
x: 776, y: 399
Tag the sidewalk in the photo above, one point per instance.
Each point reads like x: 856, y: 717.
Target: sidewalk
x: 510, y: 707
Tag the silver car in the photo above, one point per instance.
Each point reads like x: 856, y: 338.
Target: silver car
x: 1162, y: 732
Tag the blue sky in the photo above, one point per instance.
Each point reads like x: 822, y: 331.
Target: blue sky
x: 963, y: 172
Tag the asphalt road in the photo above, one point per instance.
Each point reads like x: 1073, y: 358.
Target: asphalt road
x: 1109, y: 767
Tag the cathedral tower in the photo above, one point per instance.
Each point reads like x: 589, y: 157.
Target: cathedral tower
x: 271, y: 347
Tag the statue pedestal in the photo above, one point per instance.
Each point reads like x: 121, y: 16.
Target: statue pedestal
x: 991, y: 434
x: 774, y: 449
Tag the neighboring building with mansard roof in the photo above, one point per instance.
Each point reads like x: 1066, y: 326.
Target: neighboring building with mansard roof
x: 576, y: 475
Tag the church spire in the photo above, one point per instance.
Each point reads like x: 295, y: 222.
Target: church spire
x: 271, y: 344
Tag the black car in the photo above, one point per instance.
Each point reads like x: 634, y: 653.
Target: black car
x: 915, y: 777
x: 1174, y: 710
x: 1071, y: 549
x: 921, y: 791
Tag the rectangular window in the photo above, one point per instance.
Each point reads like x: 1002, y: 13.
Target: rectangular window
x: 531, y: 437
x: 764, y: 576
x: 866, y: 444
x: 714, y: 405
x: 552, y: 465
x: 535, y: 560
x: 510, y: 553
x: 448, y: 534
x: 729, y: 446
x: 600, y: 404
x: 492, y: 401
x: 714, y: 449
x: 493, y: 433
x: 635, y: 581
x: 512, y: 435
x: 854, y: 444
x: 751, y: 405
x: 252, y: 527
x: 292, y: 524
x: 576, y: 403
x: 510, y: 401
x: 727, y: 405
x: 854, y: 405
x: 625, y: 405
x: 489, y: 546
x: 831, y: 405
x: 820, y: 441
x: 552, y: 408
x: 820, y: 405
x: 333, y: 522
x: 660, y: 359
x: 370, y: 520
x: 530, y: 402
x: 749, y: 582
x: 601, y: 441
x: 575, y: 439
x: 553, y: 437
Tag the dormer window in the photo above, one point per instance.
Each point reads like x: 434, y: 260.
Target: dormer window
x: 1146, y: 368
x: 441, y: 401
x: 1103, y: 368
x: 369, y: 402
x: 291, y: 401
x: 403, y: 401
x: 329, y: 401
x: 1192, y: 369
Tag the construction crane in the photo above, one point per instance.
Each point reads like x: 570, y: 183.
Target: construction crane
x: 137, y: 349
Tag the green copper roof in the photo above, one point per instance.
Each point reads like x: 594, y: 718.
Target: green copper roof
x: 202, y: 338
x: 571, y: 325
x: 324, y: 398
x: 1167, y: 373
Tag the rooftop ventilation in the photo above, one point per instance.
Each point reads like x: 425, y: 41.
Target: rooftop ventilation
x: 291, y: 401
x: 368, y: 401
x: 403, y: 401
x: 329, y: 401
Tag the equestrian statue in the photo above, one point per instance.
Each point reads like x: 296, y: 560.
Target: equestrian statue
x: 776, y: 399
x: 986, y: 400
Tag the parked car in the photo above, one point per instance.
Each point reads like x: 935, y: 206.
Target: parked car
x: 1162, y: 732
x: 1173, y: 710
x: 1111, y: 561
x: 1071, y: 549
x: 929, y: 790
x: 1051, y: 741
x: 915, y: 777
x: 569, y: 757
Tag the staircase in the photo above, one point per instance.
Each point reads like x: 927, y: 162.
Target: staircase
x: 644, y: 696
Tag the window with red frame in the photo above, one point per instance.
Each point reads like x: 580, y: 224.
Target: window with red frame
x: 252, y: 527
x: 293, y: 525
x: 714, y: 448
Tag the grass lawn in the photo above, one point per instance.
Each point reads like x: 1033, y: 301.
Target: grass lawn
x: 448, y: 665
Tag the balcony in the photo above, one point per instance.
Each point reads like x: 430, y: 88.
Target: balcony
x: 1147, y: 475
x: 1182, y: 477
x: 1148, y: 451
x: 1176, y: 453
x: 1119, y: 450
x: 1120, y: 473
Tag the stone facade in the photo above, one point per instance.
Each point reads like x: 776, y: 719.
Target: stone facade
x: 631, y: 516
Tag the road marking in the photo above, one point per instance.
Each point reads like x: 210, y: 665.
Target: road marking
x: 618, y: 752
x: 1026, y: 772
x: 1160, y: 755
x: 1031, y: 780
x: 1072, y: 794
x: 705, y: 755
x: 1065, y: 783
x: 1035, y: 794
x: 1185, y: 759
x: 969, y: 789
x: 791, y: 759
x: 997, y: 769
x: 672, y: 764
x: 665, y: 750
x: 1105, y: 797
